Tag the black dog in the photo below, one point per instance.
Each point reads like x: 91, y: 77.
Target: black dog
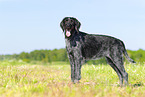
x: 81, y: 47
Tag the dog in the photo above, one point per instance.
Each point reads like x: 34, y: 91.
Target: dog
x: 82, y: 47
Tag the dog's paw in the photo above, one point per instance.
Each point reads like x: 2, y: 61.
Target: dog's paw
x: 76, y: 81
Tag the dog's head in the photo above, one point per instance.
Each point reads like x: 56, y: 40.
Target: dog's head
x: 70, y: 25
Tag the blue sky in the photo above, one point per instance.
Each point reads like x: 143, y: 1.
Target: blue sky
x: 27, y: 25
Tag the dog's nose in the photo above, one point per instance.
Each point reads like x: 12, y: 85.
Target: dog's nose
x: 68, y: 25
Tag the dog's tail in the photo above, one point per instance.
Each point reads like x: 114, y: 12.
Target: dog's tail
x: 126, y: 55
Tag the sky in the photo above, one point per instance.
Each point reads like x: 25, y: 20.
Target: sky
x: 27, y: 25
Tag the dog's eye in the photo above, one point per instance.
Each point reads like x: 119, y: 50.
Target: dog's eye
x: 66, y: 20
x: 71, y: 20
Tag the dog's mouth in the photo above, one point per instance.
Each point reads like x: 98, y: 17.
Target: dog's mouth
x: 67, y: 33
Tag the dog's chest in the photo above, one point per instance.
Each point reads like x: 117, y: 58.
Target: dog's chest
x: 72, y: 45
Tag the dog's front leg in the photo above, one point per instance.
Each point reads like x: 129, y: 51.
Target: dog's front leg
x: 77, y: 66
x: 77, y: 72
x: 75, y: 63
x: 72, y: 64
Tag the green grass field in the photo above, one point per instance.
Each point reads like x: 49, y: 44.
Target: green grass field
x: 19, y: 79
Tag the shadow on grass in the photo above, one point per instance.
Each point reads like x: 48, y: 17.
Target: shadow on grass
x: 138, y: 84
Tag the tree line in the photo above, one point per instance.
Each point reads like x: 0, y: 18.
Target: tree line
x: 49, y: 56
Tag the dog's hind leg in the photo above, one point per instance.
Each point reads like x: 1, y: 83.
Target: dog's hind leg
x: 117, y: 70
x: 119, y: 61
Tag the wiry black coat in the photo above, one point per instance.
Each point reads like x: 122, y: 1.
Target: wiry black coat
x: 81, y: 47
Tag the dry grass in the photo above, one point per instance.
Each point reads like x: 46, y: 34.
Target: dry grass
x: 18, y: 79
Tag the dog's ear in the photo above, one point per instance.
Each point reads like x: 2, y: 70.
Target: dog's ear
x: 77, y: 25
x: 61, y: 25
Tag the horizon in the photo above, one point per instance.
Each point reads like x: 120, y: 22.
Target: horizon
x: 52, y: 50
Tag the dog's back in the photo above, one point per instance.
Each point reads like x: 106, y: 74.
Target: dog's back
x: 97, y: 46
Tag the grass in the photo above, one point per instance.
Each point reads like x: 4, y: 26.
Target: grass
x: 19, y: 79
